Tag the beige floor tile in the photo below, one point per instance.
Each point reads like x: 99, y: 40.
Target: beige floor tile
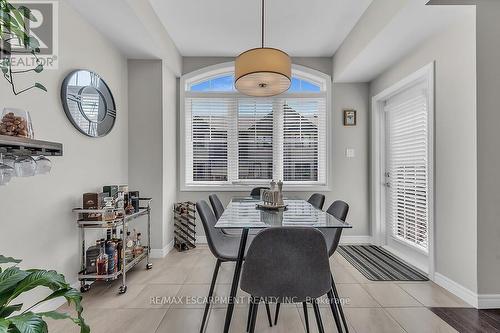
x: 372, y: 320
x: 109, y: 298
x: 289, y: 322
x: 432, y: 295
x: 390, y: 295
x: 417, y: 320
x: 353, y: 295
x: 155, y: 296
x: 180, y: 320
x: 114, y: 321
x: 326, y: 317
x: 202, y: 272
x: 195, y: 296
x: 342, y: 275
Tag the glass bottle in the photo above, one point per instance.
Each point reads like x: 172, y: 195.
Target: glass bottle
x: 102, y: 260
x: 129, y: 247
x: 111, y: 253
x: 109, y: 209
x: 138, y: 249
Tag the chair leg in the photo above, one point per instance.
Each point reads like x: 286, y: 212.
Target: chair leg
x: 210, y: 294
x: 333, y: 306
x: 250, y: 311
x: 268, y: 310
x: 339, y: 305
x: 321, y: 329
x: 306, y: 316
x: 277, y: 313
x: 255, y: 309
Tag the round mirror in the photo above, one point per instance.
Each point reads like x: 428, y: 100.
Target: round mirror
x: 88, y: 103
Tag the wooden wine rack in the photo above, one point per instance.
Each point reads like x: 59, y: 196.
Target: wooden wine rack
x: 185, y: 225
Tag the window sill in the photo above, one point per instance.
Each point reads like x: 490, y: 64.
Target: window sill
x: 248, y: 188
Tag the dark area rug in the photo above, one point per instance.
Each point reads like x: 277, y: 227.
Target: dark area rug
x: 377, y: 264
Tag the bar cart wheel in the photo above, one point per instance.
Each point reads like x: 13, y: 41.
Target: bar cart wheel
x: 84, y: 288
x: 122, y: 290
x: 149, y: 266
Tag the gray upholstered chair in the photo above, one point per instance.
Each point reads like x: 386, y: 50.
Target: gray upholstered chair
x: 317, y: 200
x: 255, y: 193
x: 217, y: 205
x: 271, y: 267
x: 339, y: 209
x: 223, y: 247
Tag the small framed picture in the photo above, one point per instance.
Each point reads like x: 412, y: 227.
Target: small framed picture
x: 349, y: 117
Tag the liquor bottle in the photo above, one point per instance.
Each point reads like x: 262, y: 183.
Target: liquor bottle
x: 138, y: 249
x: 129, y: 247
x: 112, y: 254
x: 119, y: 248
x: 102, y: 260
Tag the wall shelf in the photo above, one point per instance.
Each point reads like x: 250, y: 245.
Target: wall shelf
x: 25, y: 146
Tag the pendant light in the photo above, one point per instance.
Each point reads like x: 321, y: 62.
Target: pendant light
x: 263, y: 71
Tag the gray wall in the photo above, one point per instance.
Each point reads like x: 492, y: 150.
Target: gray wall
x: 152, y: 142
x: 488, y: 154
x: 455, y: 166
x: 349, y: 176
x: 37, y: 222
x: 145, y: 137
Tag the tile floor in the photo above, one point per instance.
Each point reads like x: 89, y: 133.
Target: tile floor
x: 169, y: 299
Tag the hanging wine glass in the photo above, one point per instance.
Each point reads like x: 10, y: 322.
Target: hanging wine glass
x: 25, y: 166
x: 6, y: 172
x: 43, y: 165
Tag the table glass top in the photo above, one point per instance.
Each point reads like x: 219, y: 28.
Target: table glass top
x: 243, y: 213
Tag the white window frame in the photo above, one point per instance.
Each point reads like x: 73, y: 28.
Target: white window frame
x: 378, y: 191
x: 225, y: 68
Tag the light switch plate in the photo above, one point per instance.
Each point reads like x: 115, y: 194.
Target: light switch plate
x: 350, y: 152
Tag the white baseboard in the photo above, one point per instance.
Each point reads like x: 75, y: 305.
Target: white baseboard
x: 356, y: 240
x: 456, y: 288
x: 161, y: 253
x: 488, y: 301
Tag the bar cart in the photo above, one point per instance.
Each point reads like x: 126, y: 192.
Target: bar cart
x: 120, y: 222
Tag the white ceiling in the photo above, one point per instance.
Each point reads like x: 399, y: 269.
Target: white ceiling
x: 228, y: 27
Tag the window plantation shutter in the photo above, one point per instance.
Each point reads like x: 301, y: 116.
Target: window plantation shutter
x: 207, y: 122
x: 304, y: 140
x: 255, y: 139
x: 407, y: 166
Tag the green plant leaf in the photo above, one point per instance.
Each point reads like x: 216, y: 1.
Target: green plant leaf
x: 8, y: 310
x: 4, y: 325
x: 32, y: 42
x: 29, y: 322
x: 9, y: 279
x: 84, y: 328
x: 38, y: 68
x: 6, y: 260
x: 40, y: 278
x: 26, y: 12
x: 40, y: 86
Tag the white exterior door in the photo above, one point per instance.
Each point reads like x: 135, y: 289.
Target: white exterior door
x: 407, y: 163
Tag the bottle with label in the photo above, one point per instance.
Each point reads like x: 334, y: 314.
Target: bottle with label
x: 112, y: 254
x: 102, y: 260
x: 119, y: 248
x: 138, y: 249
x: 129, y: 247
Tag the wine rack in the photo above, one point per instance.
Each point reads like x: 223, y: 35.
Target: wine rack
x: 185, y: 226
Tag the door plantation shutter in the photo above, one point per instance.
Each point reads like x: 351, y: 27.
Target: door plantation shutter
x: 304, y: 140
x: 207, y: 123
x: 407, y: 171
x: 255, y: 139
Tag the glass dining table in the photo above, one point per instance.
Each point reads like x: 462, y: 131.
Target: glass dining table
x: 244, y: 214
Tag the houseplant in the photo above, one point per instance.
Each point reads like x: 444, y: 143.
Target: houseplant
x: 14, y: 28
x: 15, y: 281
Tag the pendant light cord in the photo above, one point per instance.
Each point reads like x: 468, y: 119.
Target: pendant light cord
x: 263, y: 8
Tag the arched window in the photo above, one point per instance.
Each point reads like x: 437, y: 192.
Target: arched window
x: 231, y: 140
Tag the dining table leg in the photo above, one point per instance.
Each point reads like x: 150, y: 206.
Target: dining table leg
x: 236, y: 279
